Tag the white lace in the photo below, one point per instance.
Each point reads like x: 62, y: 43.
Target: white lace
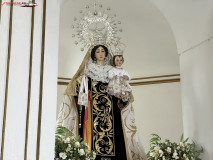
x: 98, y: 72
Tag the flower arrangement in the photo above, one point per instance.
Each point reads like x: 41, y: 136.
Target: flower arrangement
x: 67, y: 147
x: 171, y: 150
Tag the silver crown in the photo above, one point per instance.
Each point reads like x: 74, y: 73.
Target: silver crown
x: 117, y: 52
x: 98, y: 38
x: 96, y: 27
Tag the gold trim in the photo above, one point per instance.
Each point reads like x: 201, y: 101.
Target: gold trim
x: 63, y: 83
x: 155, y: 82
x: 76, y: 110
x: 139, y: 78
x: 64, y: 78
x: 29, y: 83
x: 125, y: 138
x: 162, y: 76
x: 41, y: 82
x: 140, y: 83
x: 7, y: 79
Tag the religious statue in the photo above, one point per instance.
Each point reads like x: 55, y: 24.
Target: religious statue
x: 107, y: 122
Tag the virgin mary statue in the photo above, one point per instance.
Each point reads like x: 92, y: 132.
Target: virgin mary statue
x: 108, y: 123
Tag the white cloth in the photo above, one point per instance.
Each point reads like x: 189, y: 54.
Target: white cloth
x: 119, y: 71
x: 118, y: 86
x: 98, y: 72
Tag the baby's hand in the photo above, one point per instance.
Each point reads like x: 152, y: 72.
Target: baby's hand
x: 119, y: 95
x: 116, y: 77
x: 125, y: 77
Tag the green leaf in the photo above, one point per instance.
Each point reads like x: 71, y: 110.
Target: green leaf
x: 186, y: 140
x: 181, y: 139
x: 151, y: 148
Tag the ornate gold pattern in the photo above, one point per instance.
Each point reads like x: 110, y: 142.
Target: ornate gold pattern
x: 103, y: 122
x: 135, y: 151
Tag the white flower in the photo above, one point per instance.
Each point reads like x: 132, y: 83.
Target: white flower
x: 151, y: 154
x: 77, y: 144
x: 66, y: 140
x: 94, y: 154
x: 63, y: 155
x: 168, y: 149
x: 178, y: 147
x: 164, y: 158
x: 81, y: 152
x: 182, y: 144
x: 175, y: 155
x: 72, y: 137
x: 156, y: 149
x: 87, y: 146
x: 68, y: 149
x: 161, y: 153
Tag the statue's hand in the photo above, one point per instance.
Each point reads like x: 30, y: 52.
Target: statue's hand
x: 125, y: 77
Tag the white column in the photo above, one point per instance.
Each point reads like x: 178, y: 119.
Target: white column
x: 4, y: 32
x: 49, y: 103
x: 35, y: 82
x: 15, y: 130
x: 18, y: 84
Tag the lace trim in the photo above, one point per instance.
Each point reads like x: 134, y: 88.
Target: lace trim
x: 98, y: 72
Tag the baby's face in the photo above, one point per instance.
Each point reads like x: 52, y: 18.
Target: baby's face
x: 118, y: 61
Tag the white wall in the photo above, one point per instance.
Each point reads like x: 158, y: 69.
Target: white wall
x: 197, y: 96
x: 192, y: 22
x: 158, y: 110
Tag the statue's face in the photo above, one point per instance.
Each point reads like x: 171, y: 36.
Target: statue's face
x: 100, y: 54
x: 118, y: 61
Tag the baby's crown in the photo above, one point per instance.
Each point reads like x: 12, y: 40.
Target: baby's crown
x: 118, y: 49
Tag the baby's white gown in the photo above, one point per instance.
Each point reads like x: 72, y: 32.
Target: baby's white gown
x: 119, y: 86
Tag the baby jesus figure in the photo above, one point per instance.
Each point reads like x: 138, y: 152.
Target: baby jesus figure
x: 118, y: 84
